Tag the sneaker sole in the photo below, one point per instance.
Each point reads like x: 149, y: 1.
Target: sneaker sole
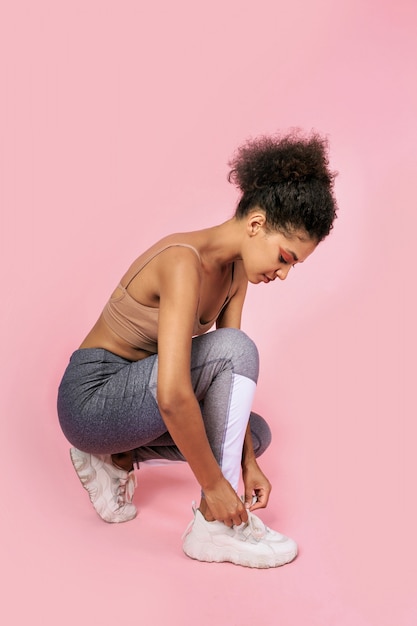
x: 208, y: 553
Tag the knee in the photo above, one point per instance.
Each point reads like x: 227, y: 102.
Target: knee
x: 261, y: 433
x: 241, y: 350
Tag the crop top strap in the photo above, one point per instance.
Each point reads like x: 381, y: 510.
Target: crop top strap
x: 134, y: 270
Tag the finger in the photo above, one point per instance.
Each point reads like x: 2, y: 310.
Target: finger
x: 235, y: 521
x: 244, y: 516
x: 241, y: 515
x: 261, y: 501
x: 249, y: 499
x: 256, y: 506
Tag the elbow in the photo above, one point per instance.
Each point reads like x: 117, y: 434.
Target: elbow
x: 173, y: 402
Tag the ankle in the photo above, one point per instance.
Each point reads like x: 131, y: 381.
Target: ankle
x: 123, y: 460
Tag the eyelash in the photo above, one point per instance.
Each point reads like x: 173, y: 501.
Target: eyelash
x: 282, y: 260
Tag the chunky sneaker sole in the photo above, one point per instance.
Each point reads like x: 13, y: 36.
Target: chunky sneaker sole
x: 252, y: 544
x: 110, y: 489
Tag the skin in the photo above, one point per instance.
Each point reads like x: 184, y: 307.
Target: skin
x: 178, y: 284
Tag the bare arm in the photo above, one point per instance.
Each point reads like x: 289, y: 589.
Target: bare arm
x: 178, y: 275
x: 231, y: 316
x: 255, y: 481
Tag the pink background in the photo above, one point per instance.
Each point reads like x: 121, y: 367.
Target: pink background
x: 117, y: 121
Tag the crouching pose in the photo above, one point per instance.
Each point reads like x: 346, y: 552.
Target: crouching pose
x: 149, y: 381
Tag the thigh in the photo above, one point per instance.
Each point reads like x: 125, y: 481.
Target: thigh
x: 104, y: 402
x: 223, y: 351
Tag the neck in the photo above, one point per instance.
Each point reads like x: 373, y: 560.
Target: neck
x: 222, y: 244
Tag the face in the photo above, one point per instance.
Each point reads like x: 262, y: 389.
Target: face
x: 269, y: 255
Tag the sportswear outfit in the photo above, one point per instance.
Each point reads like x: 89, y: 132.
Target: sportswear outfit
x: 108, y: 404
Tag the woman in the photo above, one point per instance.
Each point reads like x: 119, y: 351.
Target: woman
x: 148, y: 381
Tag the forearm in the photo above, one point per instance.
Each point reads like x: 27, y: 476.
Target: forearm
x: 186, y: 427
x: 257, y: 486
x: 248, y: 453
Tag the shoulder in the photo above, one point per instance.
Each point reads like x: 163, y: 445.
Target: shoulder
x: 178, y: 272
x: 178, y: 257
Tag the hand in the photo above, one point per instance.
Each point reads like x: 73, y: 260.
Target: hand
x: 256, y: 484
x: 224, y: 504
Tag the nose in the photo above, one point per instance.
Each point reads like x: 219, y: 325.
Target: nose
x: 282, y: 272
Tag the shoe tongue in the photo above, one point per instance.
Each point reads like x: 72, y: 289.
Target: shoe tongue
x: 256, y: 525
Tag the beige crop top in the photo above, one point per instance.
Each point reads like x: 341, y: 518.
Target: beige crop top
x: 137, y: 323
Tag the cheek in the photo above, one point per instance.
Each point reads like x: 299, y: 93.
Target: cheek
x: 253, y: 268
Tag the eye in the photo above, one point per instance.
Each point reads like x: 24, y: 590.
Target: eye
x: 282, y: 260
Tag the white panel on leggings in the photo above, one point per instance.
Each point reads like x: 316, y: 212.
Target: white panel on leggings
x: 242, y: 393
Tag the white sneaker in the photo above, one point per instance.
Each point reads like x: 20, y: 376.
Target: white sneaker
x: 252, y: 544
x: 110, y: 489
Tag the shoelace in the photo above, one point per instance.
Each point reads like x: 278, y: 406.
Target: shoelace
x: 126, y: 488
x: 254, y: 526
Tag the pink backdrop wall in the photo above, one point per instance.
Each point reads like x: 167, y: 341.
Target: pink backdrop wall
x: 116, y: 124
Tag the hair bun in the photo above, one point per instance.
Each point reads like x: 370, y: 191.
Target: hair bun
x: 268, y: 161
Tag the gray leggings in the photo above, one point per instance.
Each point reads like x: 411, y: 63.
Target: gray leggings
x: 107, y: 404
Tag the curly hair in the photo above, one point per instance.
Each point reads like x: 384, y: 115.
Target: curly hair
x: 289, y: 178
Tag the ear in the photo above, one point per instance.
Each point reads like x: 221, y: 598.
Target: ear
x: 255, y: 222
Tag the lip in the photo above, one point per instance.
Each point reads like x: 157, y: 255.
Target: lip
x: 267, y: 279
